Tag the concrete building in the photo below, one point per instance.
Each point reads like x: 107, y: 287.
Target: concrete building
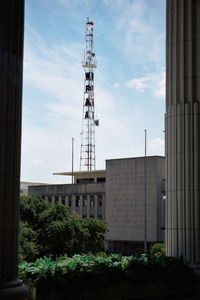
x: 86, y: 197
x: 183, y: 130
x: 125, y: 202
x: 116, y: 195
x: 24, y: 186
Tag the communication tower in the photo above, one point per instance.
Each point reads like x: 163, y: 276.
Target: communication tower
x: 87, y: 153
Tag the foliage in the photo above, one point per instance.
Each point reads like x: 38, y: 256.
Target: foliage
x: 86, y: 271
x: 28, y: 248
x: 49, y: 230
x: 158, y: 249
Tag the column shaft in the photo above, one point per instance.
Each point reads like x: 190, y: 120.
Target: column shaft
x: 11, y: 59
x: 182, y: 129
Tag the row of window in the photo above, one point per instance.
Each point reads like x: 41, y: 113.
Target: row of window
x: 90, y: 180
x: 78, y: 200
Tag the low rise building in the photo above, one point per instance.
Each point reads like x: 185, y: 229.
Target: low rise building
x: 117, y: 195
x: 86, y: 197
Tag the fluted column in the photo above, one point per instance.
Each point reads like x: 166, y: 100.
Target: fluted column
x: 183, y: 130
x: 11, y: 59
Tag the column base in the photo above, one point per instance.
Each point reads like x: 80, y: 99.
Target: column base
x: 13, y: 290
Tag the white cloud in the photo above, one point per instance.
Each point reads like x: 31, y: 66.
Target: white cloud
x: 142, y: 39
x: 154, y: 82
x: 140, y: 84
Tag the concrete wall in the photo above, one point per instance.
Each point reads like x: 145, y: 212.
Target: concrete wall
x: 125, y: 199
x: 82, y: 199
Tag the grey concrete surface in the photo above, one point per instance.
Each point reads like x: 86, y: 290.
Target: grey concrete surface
x: 183, y: 130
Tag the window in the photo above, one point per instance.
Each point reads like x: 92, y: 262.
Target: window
x: 49, y: 199
x: 101, y: 179
x: 63, y: 200
x: 70, y: 201
x: 84, y: 216
x: 85, y: 180
x: 78, y: 203
x: 56, y: 199
x: 92, y: 201
x: 92, y: 216
x: 99, y: 200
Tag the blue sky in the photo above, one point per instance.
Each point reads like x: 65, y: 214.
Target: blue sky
x: 129, y: 41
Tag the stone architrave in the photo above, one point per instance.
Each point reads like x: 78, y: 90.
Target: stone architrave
x: 183, y: 130
x: 11, y: 62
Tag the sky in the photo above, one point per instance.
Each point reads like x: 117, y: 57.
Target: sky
x: 129, y: 42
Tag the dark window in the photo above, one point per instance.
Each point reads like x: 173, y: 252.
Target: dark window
x: 63, y: 200
x: 101, y: 179
x: 49, y: 199
x: 70, y: 201
x: 56, y: 199
x: 92, y: 216
x: 84, y: 216
x: 78, y: 201
x: 85, y: 180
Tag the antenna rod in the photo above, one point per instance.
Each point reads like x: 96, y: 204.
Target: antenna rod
x: 145, y: 191
x: 72, y: 160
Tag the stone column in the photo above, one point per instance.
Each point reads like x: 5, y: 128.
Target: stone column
x: 11, y: 59
x: 183, y: 130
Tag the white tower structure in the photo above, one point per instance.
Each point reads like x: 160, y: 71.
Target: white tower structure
x: 87, y: 153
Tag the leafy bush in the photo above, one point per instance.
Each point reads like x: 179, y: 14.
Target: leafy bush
x: 86, y: 271
x: 158, y: 249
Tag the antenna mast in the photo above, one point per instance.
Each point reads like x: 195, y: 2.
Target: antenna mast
x: 87, y: 154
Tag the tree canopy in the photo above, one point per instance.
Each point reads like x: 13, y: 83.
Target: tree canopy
x: 48, y: 229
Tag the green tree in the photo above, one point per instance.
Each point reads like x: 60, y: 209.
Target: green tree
x: 49, y: 229
x: 94, y: 241
x: 28, y: 248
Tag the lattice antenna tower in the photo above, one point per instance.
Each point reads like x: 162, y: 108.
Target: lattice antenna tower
x: 87, y: 153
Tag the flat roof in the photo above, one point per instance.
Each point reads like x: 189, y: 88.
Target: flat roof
x: 137, y: 157
x: 77, y: 173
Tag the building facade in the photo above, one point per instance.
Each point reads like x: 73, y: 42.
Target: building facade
x: 116, y: 195
x: 86, y: 197
x: 125, y: 202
